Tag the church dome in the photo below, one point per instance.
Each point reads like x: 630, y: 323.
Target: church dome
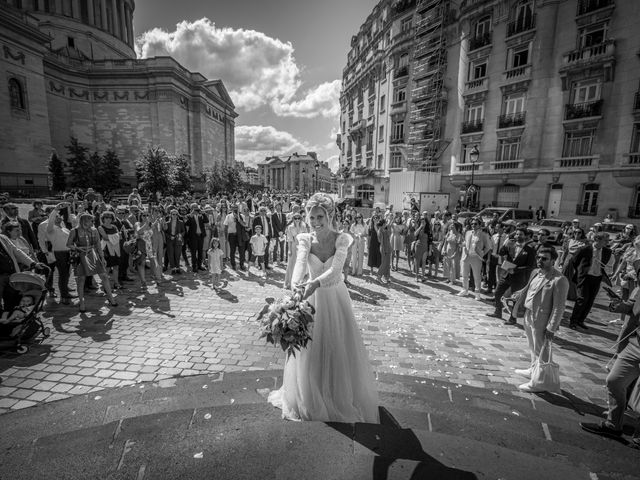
x: 94, y: 29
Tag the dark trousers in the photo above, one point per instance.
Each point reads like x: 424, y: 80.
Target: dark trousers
x: 278, y: 250
x: 587, y: 289
x: 195, y: 248
x: 512, y: 282
x: 266, y: 253
x: 64, y: 271
x: 10, y: 297
x: 42, y: 257
x: 123, y: 268
x: 174, y: 248
x: 624, y: 372
x: 233, y: 246
x: 492, y: 273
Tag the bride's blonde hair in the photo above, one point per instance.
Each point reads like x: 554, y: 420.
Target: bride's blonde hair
x: 325, y: 202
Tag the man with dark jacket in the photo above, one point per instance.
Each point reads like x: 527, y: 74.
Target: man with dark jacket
x: 195, y: 227
x: 279, y: 222
x: 521, y: 259
x: 589, y: 263
x: 264, y: 220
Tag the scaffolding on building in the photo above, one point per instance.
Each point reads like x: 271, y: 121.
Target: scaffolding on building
x: 428, y: 95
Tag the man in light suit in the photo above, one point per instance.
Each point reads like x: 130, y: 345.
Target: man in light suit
x: 544, y: 299
x: 476, y: 245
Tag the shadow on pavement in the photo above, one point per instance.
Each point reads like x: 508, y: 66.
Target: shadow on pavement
x: 390, y: 442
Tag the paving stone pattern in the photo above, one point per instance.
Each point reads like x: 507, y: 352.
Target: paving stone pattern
x: 184, y: 327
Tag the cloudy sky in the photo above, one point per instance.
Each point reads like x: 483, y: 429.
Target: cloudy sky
x: 281, y: 61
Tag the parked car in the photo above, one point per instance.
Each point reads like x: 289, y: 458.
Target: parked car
x: 504, y: 214
x: 554, y: 225
x: 462, y: 216
x: 614, y: 229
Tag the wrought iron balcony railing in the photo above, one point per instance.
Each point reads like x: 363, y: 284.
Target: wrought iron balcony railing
x: 401, y: 72
x: 583, y: 110
x: 511, y: 120
x: 480, y: 41
x: 590, y: 210
x: 470, y: 127
x: 588, y: 6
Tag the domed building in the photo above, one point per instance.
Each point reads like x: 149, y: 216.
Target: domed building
x: 70, y: 70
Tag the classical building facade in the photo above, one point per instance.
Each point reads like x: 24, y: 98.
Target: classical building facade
x: 295, y: 173
x: 547, y: 91
x: 70, y: 69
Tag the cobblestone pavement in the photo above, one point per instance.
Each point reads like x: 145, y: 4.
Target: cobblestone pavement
x: 184, y: 327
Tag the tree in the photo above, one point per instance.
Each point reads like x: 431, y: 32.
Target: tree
x: 94, y: 165
x: 78, y: 161
x: 181, y: 175
x: 58, y: 178
x: 110, y: 172
x: 213, y: 180
x: 154, y: 170
x: 232, y: 178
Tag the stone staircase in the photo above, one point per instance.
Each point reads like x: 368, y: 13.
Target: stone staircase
x: 221, y: 427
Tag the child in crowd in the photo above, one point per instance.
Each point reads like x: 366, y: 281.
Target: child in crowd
x: 258, y: 246
x: 13, y: 319
x: 215, y: 255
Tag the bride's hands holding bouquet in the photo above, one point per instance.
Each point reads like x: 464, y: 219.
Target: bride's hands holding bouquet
x: 305, y: 290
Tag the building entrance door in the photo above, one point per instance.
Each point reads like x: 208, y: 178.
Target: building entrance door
x: 555, y: 197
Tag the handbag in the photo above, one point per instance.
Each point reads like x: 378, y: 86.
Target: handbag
x: 545, y: 375
x: 130, y: 246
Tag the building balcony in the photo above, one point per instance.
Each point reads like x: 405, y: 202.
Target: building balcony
x: 396, y: 140
x: 508, y: 165
x: 583, y: 110
x: 476, y: 86
x: 590, y: 162
x: 467, y: 167
x: 586, y: 210
x: 517, y: 74
x: 589, y: 6
x: 630, y: 160
x: 401, y: 72
x: 589, y: 55
x: 479, y: 41
x: 471, y: 127
x: 357, y: 125
x: 520, y: 26
x: 398, y: 107
x: 509, y: 120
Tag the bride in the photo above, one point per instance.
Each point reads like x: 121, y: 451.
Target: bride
x: 331, y: 379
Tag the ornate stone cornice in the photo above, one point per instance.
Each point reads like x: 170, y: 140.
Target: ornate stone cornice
x: 18, y: 57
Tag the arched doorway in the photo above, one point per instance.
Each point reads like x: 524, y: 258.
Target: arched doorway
x: 366, y: 193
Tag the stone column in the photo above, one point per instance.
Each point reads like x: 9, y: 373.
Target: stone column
x: 122, y: 18
x: 58, y: 7
x: 91, y: 13
x: 103, y: 14
x: 75, y: 9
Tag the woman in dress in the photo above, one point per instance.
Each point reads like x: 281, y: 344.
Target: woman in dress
x: 451, y: 252
x: 295, y: 228
x: 422, y: 245
x: 374, y: 259
x: 384, y: 237
x: 110, y: 236
x: 14, y: 232
x: 85, y: 241
x: 436, y: 248
x: 409, y: 239
x: 358, y: 231
x: 397, y: 240
x: 331, y: 379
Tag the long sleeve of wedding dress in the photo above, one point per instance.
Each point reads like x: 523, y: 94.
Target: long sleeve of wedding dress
x: 301, y: 269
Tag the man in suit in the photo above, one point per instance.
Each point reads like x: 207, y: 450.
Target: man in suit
x: 498, y: 239
x: 623, y: 373
x: 234, y: 229
x: 264, y: 221
x: 196, y: 231
x: 476, y: 245
x: 588, y: 264
x: 544, y: 298
x: 279, y: 222
x: 523, y: 258
x: 174, y: 232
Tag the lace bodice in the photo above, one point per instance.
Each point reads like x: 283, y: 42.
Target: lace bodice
x: 329, y: 273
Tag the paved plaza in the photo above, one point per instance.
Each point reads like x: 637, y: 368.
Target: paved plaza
x: 184, y: 327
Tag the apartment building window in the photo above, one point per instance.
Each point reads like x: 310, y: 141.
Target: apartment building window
x: 370, y: 139
x: 592, y: 35
x: 381, y: 133
x: 17, y: 97
x: 466, y: 150
x: 635, y: 139
x: 508, y: 149
x: 360, y: 113
x: 404, y: 60
x: 396, y: 160
x: 518, y: 56
x: 372, y: 106
x: 475, y: 113
x: 590, y: 199
x: 344, y: 126
x: 513, y: 104
x: 383, y: 103
x: 483, y: 26
x: 478, y: 69
x: 578, y: 143
x: 523, y: 14
x: 400, y: 95
x: 586, y: 91
x: 406, y: 24
x: 398, y: 130
x: 380, y: 161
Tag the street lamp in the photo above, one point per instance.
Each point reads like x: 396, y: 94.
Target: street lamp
x: 304, y: 180
x: 313, y: 182
x: 317, y: 167
x: 474, y: 154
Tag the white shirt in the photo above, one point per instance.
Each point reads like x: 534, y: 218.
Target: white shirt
x: 596, y: 263
x: 533, y: 289
x: 230, y: 223
x: 258, y: 244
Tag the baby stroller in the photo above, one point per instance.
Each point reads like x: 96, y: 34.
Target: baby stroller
x: 18, y: 335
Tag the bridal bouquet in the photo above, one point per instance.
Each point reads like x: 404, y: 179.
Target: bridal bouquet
x: 287, y: 323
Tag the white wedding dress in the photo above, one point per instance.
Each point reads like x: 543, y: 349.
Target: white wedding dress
x: 331, y: 379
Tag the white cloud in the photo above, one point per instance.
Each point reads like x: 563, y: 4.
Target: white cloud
x: 255, y: 142
x: 256, y: 69
x: 324, y: 100
x: 333, y: 161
